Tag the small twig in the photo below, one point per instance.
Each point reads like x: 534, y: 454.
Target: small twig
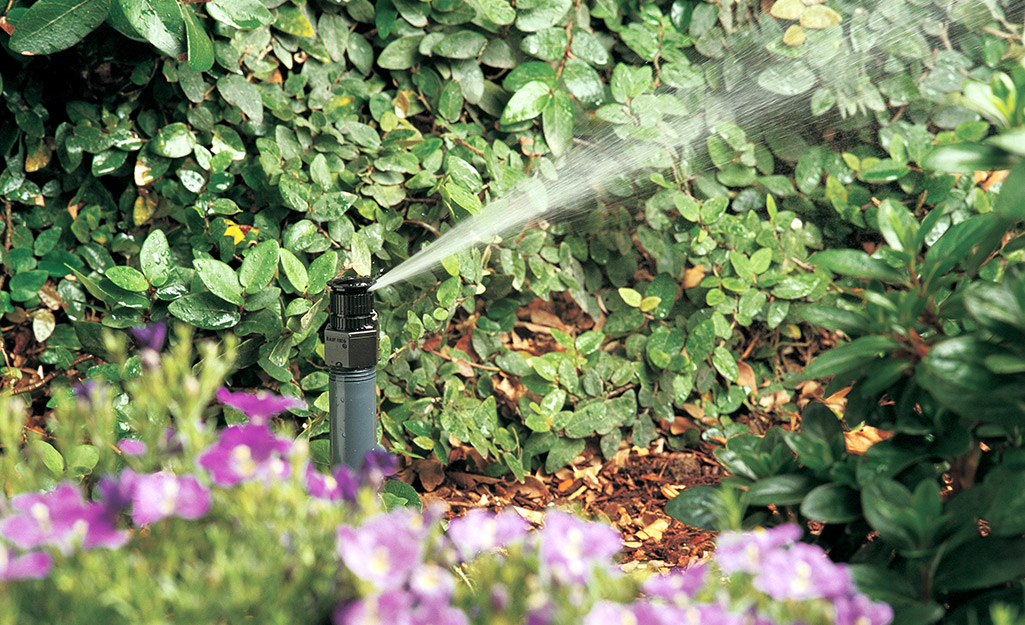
x: 453, y: 359
x: 28, y: 388
x: 469, y: 147
x: 425, y: 226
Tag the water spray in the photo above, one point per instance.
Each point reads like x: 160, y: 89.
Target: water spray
x: 350, y: 351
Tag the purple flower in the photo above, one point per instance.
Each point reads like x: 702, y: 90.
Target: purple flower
x: 610, y: 613
x: 116, y: 492
x: 571, y: 548
x: 341, y: 484
x: 246, y: 452
x: 648, y: 613
x: 33, y: 565
x: 438, y: 613
x: 60, y: 518
x: 377, y: 465
x: 743, y: 551
x: 677, y: 586
x: 87, y: 390
x: 131, y: 446
x: 151, y: 336
x: 802, y: 572
x: 431, y: 582
x: 394, y: 608
x: 385, y: 550
x: 159, y: 495
x: 860, y: 610
x: 259, y: 407
x: 480, y: 531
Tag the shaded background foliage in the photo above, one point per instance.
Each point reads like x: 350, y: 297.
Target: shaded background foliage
x: 218, y: 162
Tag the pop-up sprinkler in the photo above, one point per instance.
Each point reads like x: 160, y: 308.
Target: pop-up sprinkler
x: 350, y: 350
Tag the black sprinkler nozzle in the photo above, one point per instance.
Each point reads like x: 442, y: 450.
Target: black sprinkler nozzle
x: 350, y: 341
x: 350, y: 351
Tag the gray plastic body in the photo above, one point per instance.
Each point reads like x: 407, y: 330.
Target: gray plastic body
x: 353, y: 414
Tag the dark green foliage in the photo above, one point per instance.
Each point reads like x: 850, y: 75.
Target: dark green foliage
x: 937, y: 318
x: 218, y: 162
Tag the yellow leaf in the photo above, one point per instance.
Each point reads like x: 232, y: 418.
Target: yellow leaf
x: 38, y: 157
x: 794, y: 36
x: 820, y: 16
x: 235, y: 232
x: 143, y: 174
x: 649, y: 304
x: 787, y: 9
x: 143, y: 210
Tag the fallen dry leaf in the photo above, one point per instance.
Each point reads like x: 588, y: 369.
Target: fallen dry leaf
x: 745, y: 375
x: 693, y: 277
x: 430, y: 471
x: 858, y: 442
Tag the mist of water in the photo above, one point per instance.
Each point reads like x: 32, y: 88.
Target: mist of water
x: 628, y: 150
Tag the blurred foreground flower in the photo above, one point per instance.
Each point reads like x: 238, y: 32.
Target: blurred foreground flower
x: 342, y: 484
x: 572, y: 548
x: 480, y: 531
x: 247, y: 452
x: 260, y: 406
x: 151, y: 336
x: 33, y: 565
x: 160, y: 495
x: 385, y: 550
x: 62, y: 519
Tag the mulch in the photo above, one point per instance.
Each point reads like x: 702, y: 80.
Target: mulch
x: 628, y: 491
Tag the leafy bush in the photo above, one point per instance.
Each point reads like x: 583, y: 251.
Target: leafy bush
x: 936, y: 318
x: 218, y: 162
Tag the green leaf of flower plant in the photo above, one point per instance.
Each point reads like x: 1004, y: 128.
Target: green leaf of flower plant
x: 557, y: 120
x: 857, y: 264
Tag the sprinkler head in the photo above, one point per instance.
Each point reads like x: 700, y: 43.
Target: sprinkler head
x: 350, y: 340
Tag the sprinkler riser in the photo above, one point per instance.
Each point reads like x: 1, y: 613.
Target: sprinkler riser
x: 350, y: 351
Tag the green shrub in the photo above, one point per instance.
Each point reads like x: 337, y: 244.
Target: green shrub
x: 936, y: 317
x: 218, y: 162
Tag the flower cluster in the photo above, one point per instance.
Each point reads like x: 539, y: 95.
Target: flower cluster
x: 800, y: 582
x: 388, y: 551
x: 63, y: 521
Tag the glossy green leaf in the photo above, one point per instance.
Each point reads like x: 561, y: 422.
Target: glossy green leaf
x: 128, y: 278
x: 294, y: 269
x: 155, y: 258
x: 463, y: 44
x: 259, y: 266
x: 526, y: 103
x: 157, y: 21
x: 243, y: 14
x: 200, y: 49
x: 50, y: 26
x: 779, y: 490
x: 698, y: 506
x: 857, y: 264
x: 850, y: 356
x: 831, y: 503
x: 544, y: 15
x: 557, y: 121
x: 205, y: 310
x: 293, y: 21
x: 401, y: 53
x: 238, y: 91
x: 173, y: 141
x: 220, y: 279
